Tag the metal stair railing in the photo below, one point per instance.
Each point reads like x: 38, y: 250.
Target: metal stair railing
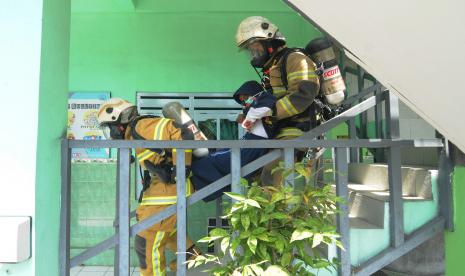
x: 123, y: 230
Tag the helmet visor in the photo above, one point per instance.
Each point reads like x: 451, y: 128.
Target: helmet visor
x: 258, y: 54
x: 251, y: 45
x: 106, y: 131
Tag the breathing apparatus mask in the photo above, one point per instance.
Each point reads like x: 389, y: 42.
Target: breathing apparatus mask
x: 113, y: 131
x: 117, y: 129
x: 261, y: 51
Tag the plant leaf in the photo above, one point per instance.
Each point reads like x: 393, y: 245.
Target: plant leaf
x: 235, y: 196
x: 264, y: 237
x: 218, y: 232
x: 252, y: 243
x: 224, y: 244
x: 245, y: 221
x: 279, y: 216
x: 279, y: 244
x: 301, y: 234
x: 258, y: 231
x: 262, y: 250
x: 275, y: 270
x: 256, y: 269
x: 277, y: 197
x: 286, y: 259
x: 252, y: 202
x: 317, y: 239
x: 209, y: 239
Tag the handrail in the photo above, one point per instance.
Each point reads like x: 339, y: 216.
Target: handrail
x: 362, y: 94
x: 271, y: 144
x: 346, y: 115
x: 279, y: 148
x: 226, y: 180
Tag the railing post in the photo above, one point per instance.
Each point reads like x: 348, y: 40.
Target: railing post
x: 122, y: 207
x: 181, y: 211
x: 354, y: 152
x: 218, y: 222
x: 65, y: 211
x: 343, y: 217
x: 396, y: 207
x: 378, y: 123
x: 446, y: 168
x: 363, y: 116
x: 289, y: 165
x: 236, y: 171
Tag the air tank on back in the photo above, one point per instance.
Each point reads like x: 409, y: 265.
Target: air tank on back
x: 331, y: 82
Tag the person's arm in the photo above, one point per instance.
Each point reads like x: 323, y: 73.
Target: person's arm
x: 302, y: 88
x: 146, y: 128
x: 176, y: 134
x: 255, y: 114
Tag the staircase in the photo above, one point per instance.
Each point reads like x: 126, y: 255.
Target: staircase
x: 391, y: 209
x: 369, y: 208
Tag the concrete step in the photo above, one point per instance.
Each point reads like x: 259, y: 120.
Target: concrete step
x: 383, y: 195
x: 416, y: 181
x: 360, y: 223
x: 366, y: 209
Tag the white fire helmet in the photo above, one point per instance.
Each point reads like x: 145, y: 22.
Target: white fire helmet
x: 255, y: 28
x: 115, y: 110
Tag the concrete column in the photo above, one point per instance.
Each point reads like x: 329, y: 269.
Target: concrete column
x: 34, y: 50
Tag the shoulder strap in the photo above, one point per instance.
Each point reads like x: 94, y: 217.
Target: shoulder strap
x: 137, y: 136
x: 283, y: 69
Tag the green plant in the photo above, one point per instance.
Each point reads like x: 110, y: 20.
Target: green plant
x: 275, y: 231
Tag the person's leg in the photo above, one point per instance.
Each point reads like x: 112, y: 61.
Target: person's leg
x: 150, y: 243
x: 191, y: 250
x: 150, y: 249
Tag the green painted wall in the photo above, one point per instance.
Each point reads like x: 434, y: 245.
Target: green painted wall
x: 52, y: 123
x: 455, y: 241
x: 181, y: 46
x: 161, y: 46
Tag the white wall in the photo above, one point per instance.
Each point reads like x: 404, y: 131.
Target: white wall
x: 20, y: 48
x: 415, y: 48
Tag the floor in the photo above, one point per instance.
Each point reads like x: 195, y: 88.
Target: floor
x: 108, y: 271
x: 99, y: 271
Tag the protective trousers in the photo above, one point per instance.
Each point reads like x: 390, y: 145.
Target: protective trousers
x: 216, y: 165
x: 276, y: 179
x: 150, y: 248
x: 151, y: 243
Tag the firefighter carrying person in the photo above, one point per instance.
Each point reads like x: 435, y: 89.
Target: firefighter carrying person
x: 258, y: 105
x: 295, y: 84
x: 119, y: 120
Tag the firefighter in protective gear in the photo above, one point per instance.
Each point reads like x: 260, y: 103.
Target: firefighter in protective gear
x: 118, y: 118
x: 295, y: 92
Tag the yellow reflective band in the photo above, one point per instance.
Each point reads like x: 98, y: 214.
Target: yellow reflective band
x: 186, y: 150
x: 157, y: 201
x: 279, y: 91
x: 143, y: 153
x: 287, y: 106
x: 188, y: 188
x: 165, y: 200
x: 303, y: 75
x: 286, y: 132
x: 146, y: 156
x: 159, y: 129
x: 156, y: 262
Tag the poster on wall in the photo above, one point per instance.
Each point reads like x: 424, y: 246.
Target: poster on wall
x: 83, y: 124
